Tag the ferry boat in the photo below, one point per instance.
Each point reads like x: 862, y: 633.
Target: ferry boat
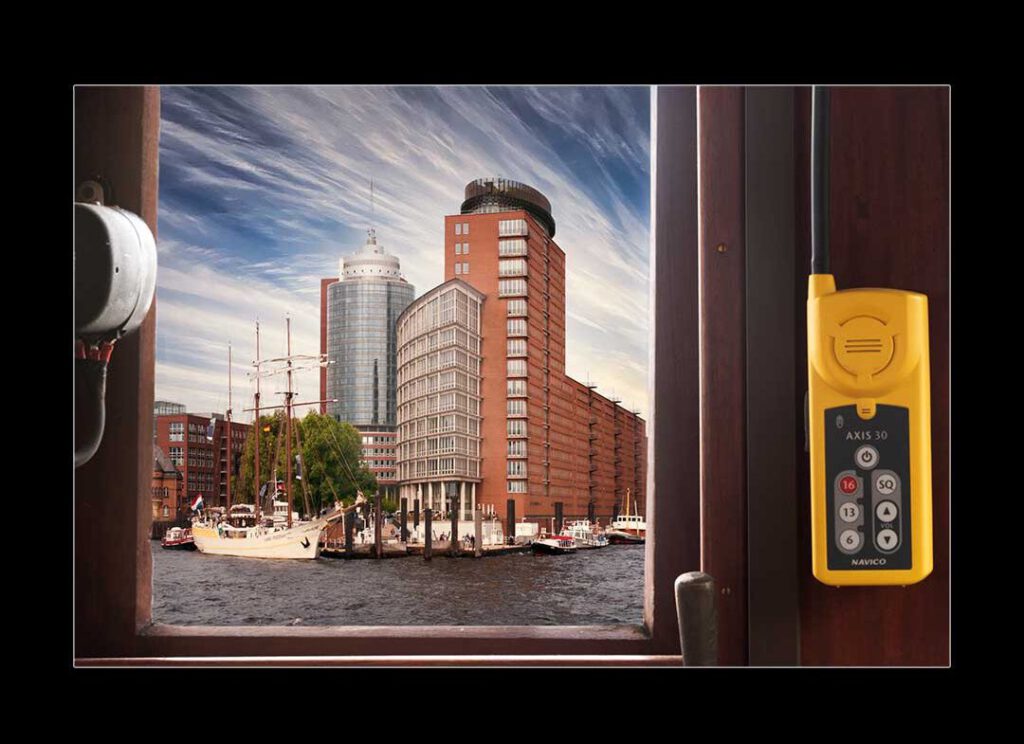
x: 585, y: 535
x: 178, y: 538
x: 554, y: 545
x: 627, y: 529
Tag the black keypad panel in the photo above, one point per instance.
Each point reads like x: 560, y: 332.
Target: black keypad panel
x: 867, y: 465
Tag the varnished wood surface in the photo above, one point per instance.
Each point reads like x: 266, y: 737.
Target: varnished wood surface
x: 722, y: 272
x: 116, y: 138
x: 889, y: 228
x: 673, y: 516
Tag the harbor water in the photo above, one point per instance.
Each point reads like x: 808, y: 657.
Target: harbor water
x: 592, y: 587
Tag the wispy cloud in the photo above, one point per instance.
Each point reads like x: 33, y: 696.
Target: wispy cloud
x: 263, y: 190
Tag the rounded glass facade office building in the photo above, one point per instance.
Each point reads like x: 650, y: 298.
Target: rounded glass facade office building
x: 362, y: 310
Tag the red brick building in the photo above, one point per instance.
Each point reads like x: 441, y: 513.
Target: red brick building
x: 167, y: 488
x: 204, y: 464
x: 544, y: 438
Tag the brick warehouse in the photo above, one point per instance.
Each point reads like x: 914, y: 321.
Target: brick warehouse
x: 204, y: 465
x: 514, y: 425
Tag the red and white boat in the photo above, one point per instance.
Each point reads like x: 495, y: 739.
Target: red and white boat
x: 177, y: 538
x: 554, y: 545
x: 627, y: 529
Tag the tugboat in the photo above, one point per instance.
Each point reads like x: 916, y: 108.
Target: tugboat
x: 177, y: 538
x: 554, y: 545
x: 627, y: 529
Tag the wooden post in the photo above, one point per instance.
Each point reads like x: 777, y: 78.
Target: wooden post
x: 428, y: 539
x: 405, y: 519
x: 415, y: 513
x: 478, y: 531
x: 350, y: 526
x: 558, y: 517
x: 510, y: 518
x: 378, y: 526
x: 453, y: 544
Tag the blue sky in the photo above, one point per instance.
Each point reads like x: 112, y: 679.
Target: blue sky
x: 263, y: 190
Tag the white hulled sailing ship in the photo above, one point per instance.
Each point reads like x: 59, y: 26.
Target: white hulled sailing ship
x: 245, y: 532
x: 627, y: 529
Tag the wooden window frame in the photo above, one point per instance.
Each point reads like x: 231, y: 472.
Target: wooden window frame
x: 116, y: 137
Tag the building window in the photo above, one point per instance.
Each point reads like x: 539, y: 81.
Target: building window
x: 465, y: 246
x: 458, y: 249
x: 516, y: 307
x: 516, y: 407
x: 516, y: 486
x: 516, y: 468
x: 516, y: 327
x: 511, y: 287
x: 516, y: 247
x: 517, y: 368
x: 508, y: 228
x: 465, y: 267
x: 517, y: 347
x: 516, y: 387
x: 465, y: 228
x: 458, y: 228
x: 512, y: 267
x: 517, y: 448
x: 458, y: 267
x: 516, y: 427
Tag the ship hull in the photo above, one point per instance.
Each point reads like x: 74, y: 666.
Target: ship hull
x: 300, y: 542
x: 624, y: 538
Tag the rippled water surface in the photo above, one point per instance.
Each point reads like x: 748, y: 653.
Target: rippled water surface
x: 587, y: 588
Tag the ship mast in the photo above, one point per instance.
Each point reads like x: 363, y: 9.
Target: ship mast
x: 231, y: 455
x: 288, y: 422
x: 258, y: 429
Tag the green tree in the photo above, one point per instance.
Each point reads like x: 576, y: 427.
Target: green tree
x: 331, y: 465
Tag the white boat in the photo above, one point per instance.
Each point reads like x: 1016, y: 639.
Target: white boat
x: 240, y: 536
x: 627, y: 529
x: 554, y: 545
x: 585, y: 535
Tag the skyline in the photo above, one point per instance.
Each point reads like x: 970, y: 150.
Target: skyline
x: 264, y: 190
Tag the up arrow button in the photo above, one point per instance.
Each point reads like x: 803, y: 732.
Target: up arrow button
x: 886, y: 511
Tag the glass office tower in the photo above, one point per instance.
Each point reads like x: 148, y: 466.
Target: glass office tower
x: 362, y: 310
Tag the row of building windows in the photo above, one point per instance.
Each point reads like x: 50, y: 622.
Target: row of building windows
x: 516, y: 367
x: 516, y: 247
x: 445, y: 444
x: 439, y: 466
x: 450, y: 306
x: 462, y: 228
x: 517, y: 448
x: 516, y: 326
x: 452, y: 379
x: 516, y: 407
x: 517, y: 347
x: 516, y: 387
x: 517, y: 427
x: 438, y: 403
x: 431, y: 424
x: 451, y: 336
x: 379, y: 439
x: 438, y: 361
x: 512, y: 267
x: 516, y: 486
x: 512, y: 228
x: 515, y: 308
x: 516, y: 468
x: 511, y: 288
x: 462, y: 267
x: 462, y: 249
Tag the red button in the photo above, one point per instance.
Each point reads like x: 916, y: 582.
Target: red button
x: 848, y: 484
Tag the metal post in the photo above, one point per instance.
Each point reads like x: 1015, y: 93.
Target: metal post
x: 510, y: 518
x: 378, y: 527
x: 478, y: 532
x: 698, y: 619
x: 428, y: 538
x: 405, y: 520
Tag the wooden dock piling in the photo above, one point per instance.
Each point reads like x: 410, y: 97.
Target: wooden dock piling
x: 428, y: 539
x: 415, y: 514
x: 405, y: 520
x: 378, y: 528
x: 478, y: 532
x: 558, y: 518
x: 510, y: 516
x: 453, y: 536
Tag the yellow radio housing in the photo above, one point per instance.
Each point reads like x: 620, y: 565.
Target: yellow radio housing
x: 869, y: 431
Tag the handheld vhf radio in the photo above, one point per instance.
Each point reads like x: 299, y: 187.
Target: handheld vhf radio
x: 869, y: 421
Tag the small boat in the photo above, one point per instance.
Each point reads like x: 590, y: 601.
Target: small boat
x: 554, y: 545
x: 627, y: 529
x: 177, y: 538
x: 586, y: 535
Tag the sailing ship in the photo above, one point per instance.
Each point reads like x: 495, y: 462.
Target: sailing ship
x: 627, y: 529
x: 245, y: 532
